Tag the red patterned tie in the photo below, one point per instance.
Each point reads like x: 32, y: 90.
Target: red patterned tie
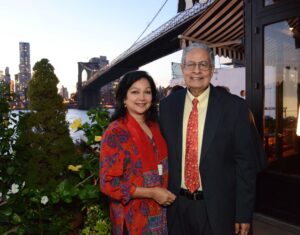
x: 191, y: 172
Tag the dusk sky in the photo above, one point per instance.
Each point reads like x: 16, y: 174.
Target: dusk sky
x: 71, y: 31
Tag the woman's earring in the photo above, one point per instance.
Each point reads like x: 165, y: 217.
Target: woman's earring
x: 125, y: 106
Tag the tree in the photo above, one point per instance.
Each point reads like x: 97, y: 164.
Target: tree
x: 5, y: 134
x: 7, y: 139
x: 44, y: 143
x: 74, y: 97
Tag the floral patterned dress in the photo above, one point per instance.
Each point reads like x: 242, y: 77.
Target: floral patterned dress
x: 130, y: 159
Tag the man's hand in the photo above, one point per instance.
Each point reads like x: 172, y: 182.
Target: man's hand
x: 242, y: 228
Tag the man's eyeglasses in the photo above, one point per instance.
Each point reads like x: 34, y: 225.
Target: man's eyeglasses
x: 203, y: 65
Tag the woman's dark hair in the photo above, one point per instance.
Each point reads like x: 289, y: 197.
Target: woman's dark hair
x: 126, y: 82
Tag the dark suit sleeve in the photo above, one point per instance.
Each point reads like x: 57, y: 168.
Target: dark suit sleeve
x: 245, y: 157
x: 261, y: 160
x: 162, y: 117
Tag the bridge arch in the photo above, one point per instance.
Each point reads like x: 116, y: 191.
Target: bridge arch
x: 89, y: 97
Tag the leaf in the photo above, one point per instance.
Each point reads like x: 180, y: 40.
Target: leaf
x: 6, y: 211
x: 68, y: 199
x: 16, y: 218
x: 83, y: 194
x: 54, y: 197
x: 35, y: 199
x: 10, y: 170
x: 81, y: 174
x: 64, y: 186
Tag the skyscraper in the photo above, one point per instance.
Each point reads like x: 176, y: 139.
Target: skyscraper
x: 7, y: 76
x: 64, y: 92
x: 1, y: 75
x: 24, y: 70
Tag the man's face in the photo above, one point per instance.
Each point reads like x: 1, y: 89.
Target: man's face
x: 197, y: 71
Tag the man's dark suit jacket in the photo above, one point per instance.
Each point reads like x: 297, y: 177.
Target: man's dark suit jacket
x: 228, y: 164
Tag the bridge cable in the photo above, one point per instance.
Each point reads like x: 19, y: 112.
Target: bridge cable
x: 148, y: 24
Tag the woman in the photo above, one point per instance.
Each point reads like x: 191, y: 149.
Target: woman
x: 133, y: 160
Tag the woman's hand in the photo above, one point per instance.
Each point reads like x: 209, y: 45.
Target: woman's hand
x: 162, y: 196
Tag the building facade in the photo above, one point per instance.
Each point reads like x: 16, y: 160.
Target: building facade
x: 108, y: 94
x: 272, y: 46
x: 64, y: 93
x: 264, y: 37
x: 24, y: 74
x: 1, y: 76
x: 7, y: 76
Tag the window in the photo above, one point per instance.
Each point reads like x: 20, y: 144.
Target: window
x: 282, y: 95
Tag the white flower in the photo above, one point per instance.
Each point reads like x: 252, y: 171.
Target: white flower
x: 76, y: 124
x: 84, y: 138
x: 95, y: 145
x: 44, y: 200
x: 11, y: 150
x: 0, y: 195
x: 14, y: 188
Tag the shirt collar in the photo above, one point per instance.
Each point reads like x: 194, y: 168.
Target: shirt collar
x: 201, y: 97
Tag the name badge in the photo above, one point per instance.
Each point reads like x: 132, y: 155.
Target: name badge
x: 160, y: 169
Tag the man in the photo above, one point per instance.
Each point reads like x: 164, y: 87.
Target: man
x: 212, y: 153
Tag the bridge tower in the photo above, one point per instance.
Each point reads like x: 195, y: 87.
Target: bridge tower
x: 89, y: 98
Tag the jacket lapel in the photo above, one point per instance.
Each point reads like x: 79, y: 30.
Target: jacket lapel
x: 214, y: 112
x: 178, y: 110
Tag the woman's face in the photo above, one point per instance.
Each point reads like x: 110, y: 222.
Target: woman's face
x: 139, y: 97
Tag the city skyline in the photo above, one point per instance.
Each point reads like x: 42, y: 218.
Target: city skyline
x: 67, y: 32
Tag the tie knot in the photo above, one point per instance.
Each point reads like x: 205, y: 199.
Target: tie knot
x: 195, y: 102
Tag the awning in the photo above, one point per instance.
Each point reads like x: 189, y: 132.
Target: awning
x: 221, y: 26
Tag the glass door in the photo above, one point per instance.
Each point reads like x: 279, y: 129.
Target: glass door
x: 282, y: 95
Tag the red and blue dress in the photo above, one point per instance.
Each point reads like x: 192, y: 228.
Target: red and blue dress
x: 129, y: 158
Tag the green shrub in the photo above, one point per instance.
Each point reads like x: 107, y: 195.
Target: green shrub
x: 48, y: 185
x: 97, y: 218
